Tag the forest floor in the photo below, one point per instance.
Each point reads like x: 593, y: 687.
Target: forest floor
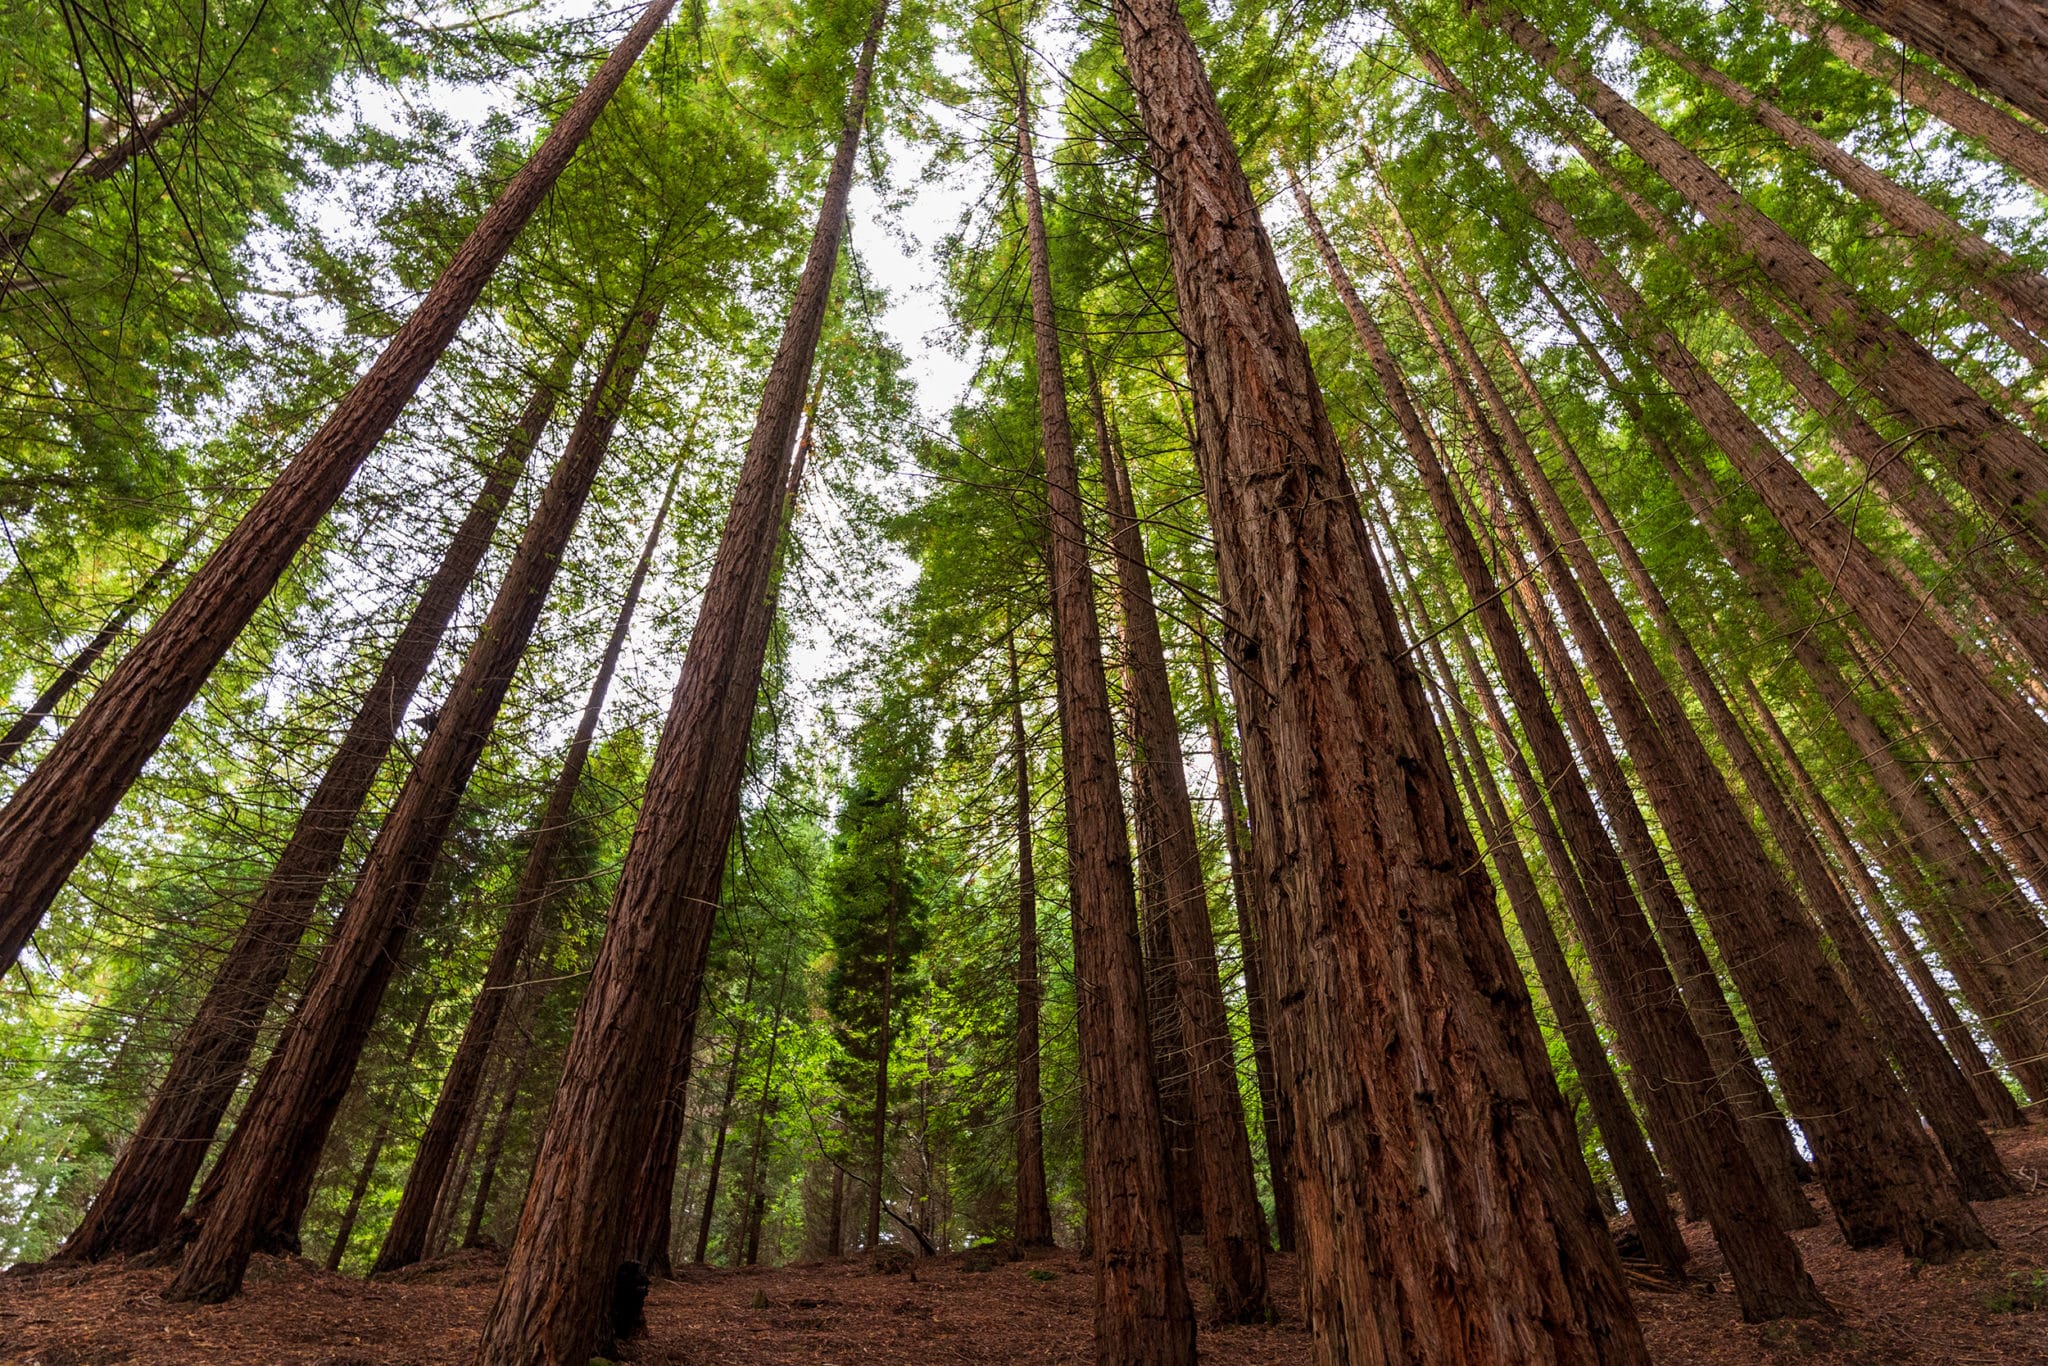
x: 1990, y: 1309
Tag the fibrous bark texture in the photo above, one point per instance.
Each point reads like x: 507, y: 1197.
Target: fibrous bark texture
x: 1425, y: 1105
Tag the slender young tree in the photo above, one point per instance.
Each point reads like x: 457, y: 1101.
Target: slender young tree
x: 138, y: 1204
x: 75, y: 669
x: 345, y: 1230
x: 264, y: 1181
x: 50, y: 820
x: 1385, y: 915
x: 406, y: 1240
x: 1032, y: 1225
x: 1142, y: 1312
x: 552, y: 1303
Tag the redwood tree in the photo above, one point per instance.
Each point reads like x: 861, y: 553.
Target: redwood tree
x: 1437, y: 1128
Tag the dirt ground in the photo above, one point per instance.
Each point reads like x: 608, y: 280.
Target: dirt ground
x: 1990, y: 1309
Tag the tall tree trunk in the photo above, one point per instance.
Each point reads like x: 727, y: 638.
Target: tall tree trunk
x: 406, y: 1240
x: 137, y: 1206
x: 262, y: 1191
x: 2005, y: 469
x: 552, y: 1303
x: 1932, y: 1225
x: 1437, y: 1128
x: 1252, y: 954
x: 652, y: 1206
x: 2017, y: 144
x: 1233, y: 1223
x: 338, y: 1249
x: 1142, y: 1311
x: 51, y: 819
x: 2002, y: 45
x: 1770, y: 1278
x: 2018, y: 289
x: 1032, y: 1226
x: 80, y: 664
x: 1642, y: 1185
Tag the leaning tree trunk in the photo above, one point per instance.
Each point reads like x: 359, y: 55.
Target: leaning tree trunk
x: 1233, y: 1223
x: 1994, y: 1103
x: 494, y: 1149
x: 1931, y: 1224
x: 1032, y: 1226
x: 732, y: 1088
x: 1251, y: 933
x: 1642, y: 1185
x: 2005, y: 469
x: 1437, y: 1128
x: 2018, y: 289
x: 80, y: 664
x: 138, y: 1204
x: 263, y: 1192
x: 1968, y: 886
x: 2002, y: 45
x: 1142, y: 1312
x: 1770, y: 1278
x: 50, y: 821
x: 1932, y: 1078
x: 552, y: 1303
x: 2017, y: 144
x: 102, y: 165
x: 405, y: 1242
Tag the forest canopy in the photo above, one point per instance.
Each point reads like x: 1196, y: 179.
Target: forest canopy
x: 1398, y: 649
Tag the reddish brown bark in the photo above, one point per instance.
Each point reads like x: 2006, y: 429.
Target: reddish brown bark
x: 1244, y: 887
x: 1419, y: 1080
x: 2005, y: 469
x: 405, y: 1241
x: 1967, y: 887
x: 1142, y: 1312
x: 138, y: 1204
x: 2021, y: 291
x: 1642, y: 1185
x: 1932, y: 1079
x: 1032, y: 1226
x: 1677, y: 1073
x: 2017, y: 144
x: 643, y: 988
x: 1233, y: 1224
x: 49, y: 822
x: 263, y: 1186
x: 2002, y: 45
